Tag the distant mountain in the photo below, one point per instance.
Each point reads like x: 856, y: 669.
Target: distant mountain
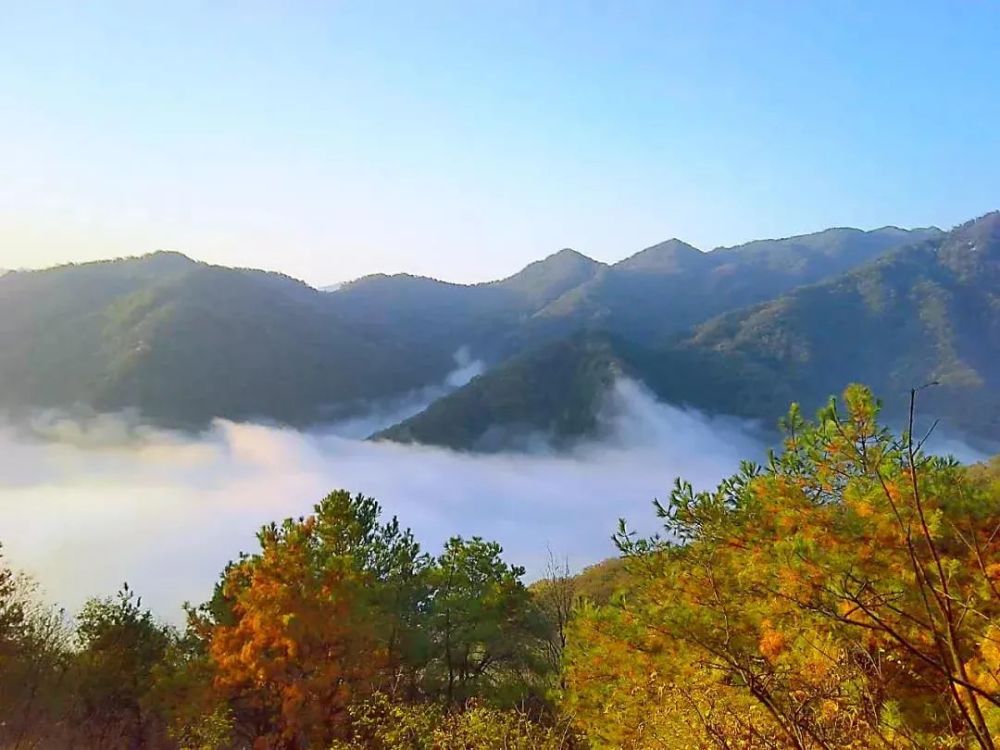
x: 184, y: 342
x: 669, y: 258
x: 546, y: 280
x: 647, y: 297
x: 558, y: 391
x: 926, y: 312
x: 485, y: 317
x: 672, y: 286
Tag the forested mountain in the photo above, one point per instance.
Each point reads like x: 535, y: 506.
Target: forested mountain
x: 558, y: 391
x: 671, y: 286
x: 926, y: 312
x: 490, y: 318
x: 656, y: 292
x: 554, y: 389
x: 183, y: 342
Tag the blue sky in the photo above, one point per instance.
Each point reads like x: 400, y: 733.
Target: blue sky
x: 463, y: 140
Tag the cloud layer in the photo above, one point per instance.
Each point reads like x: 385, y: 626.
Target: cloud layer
x: 381, y: 413
x: 85, y: 507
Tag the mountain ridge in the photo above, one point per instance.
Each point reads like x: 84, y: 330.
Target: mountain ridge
x: 913, y: 315
x: 183, y: 341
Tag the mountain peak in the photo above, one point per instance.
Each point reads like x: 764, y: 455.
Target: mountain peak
x: 546, y: 279
x: 669, y: 256
x: 987, y: 223
x: 978, y: 234
x: 974, y: 247
x: 165, y: 260
x: 568, y: 256
x: 928, y: 230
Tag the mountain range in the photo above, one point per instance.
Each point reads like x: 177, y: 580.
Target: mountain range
x: 740, y: 331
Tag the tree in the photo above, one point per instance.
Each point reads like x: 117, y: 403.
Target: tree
x: 843, y: 596
x: 196, y: 715
x: 557, y: 597
x: 487, y: 635
x: 34, y: 653
x: 119, y: 645
x: 313, y: 622
x: 384, y: 724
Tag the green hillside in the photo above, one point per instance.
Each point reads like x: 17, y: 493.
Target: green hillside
x: 653, y: 294
x: 928, y: 312
x: 551, y: 389
x: 671, y: 286
x: 184, y: 342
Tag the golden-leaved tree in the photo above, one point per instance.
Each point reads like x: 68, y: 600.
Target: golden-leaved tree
x: 339, y: 608
x: 302, y: 629
x: 843, y: 596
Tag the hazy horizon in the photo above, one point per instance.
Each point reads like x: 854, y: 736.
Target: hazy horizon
x: 443, y: 275
x: 465, y: 142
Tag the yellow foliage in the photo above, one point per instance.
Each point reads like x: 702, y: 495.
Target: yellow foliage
x: 772, y: 643
x: 835, y: 600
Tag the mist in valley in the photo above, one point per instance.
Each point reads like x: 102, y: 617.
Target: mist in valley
x: 372, y: 416
x: 87, y: 505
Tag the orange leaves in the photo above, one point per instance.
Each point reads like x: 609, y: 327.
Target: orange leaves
x: 828, y: 709
x: 772, y: 643
x: 299, y: 646
x: 796, y: 583
x: 864, y: 509
x: 993, y: 572
x: 850, y: 611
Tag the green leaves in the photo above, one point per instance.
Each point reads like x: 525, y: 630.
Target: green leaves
x: 487, y: 634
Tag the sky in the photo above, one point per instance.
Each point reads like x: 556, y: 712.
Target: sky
x: 463, y: 140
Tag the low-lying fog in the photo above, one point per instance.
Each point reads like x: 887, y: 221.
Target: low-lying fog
x: 86, y: 506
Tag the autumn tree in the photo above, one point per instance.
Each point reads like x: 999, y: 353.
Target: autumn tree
x: 557, y: 595
x: 842, y: 596
x: 381, y: 723
x: 315, y: 620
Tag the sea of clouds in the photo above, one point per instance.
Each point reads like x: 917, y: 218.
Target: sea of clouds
x: 88, y: 504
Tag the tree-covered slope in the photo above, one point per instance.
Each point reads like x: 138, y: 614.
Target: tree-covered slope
x: 551, y: 389
x: 927, y: 312
x: 557, y: 391
x: 184, y: 342
x: 657, y: 292
x: 486, y: 317
x: 672, y: 286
